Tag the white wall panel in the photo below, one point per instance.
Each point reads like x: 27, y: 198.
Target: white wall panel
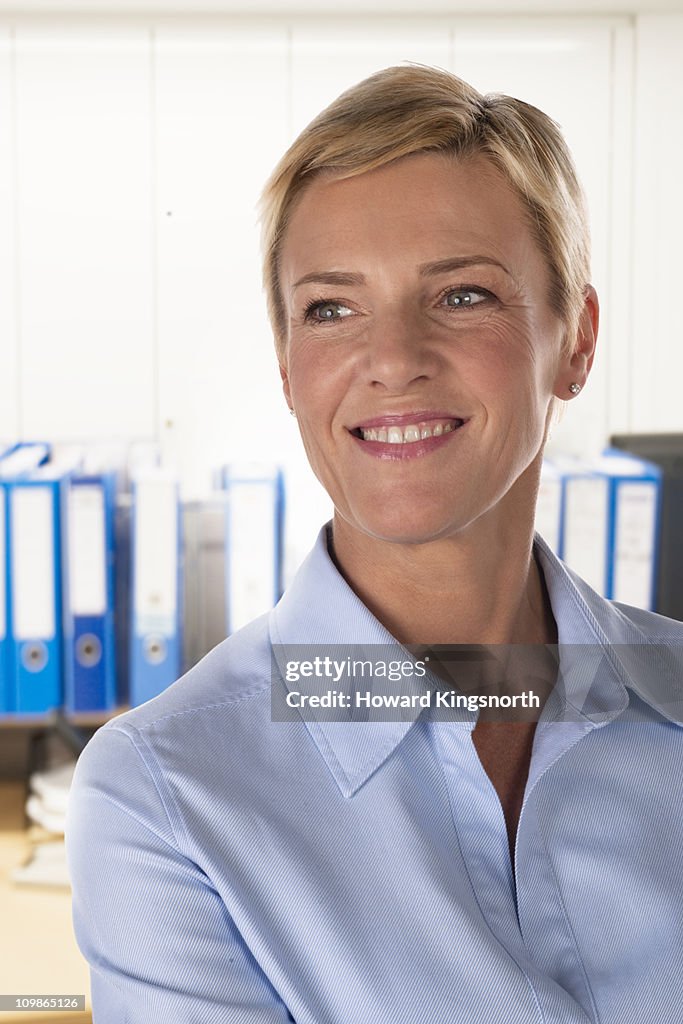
x: 357, y: 8
x: 85, y: 242
x: 330, y: 56
x: 617, y: 337
x: 221, y: 124
x: 9, y: 342
x: 657, y: 365
x: 565, y: 69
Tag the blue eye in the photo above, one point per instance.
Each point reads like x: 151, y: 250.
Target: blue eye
x: 321, y: 312
x: 465, y: 297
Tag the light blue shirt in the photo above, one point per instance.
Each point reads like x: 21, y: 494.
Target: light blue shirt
x: 229, y: 868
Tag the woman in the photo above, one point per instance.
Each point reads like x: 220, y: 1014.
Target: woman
x: 427, y: 272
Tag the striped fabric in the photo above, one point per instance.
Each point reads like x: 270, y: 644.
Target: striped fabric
x: 231, y: 868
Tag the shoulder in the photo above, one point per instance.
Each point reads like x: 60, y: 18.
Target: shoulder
x: 646, y: 648
x: 626, y: 624
x: 235, y: 671
x: 654, y: 627
x: 191, y: 747
x: 575, y: 601
x: 224, y: 699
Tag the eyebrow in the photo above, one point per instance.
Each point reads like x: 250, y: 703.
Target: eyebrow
x: 346, y: 278
x: 458, y: 263
x: 330, y: 277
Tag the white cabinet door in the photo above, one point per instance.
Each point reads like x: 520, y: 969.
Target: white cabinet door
x: 83, y: 115
x: 10, y: 424
x: 221, y: 124
x: 657, y: 364
x: 330, y: 56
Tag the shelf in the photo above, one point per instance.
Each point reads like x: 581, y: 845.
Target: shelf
x: 82, y: 719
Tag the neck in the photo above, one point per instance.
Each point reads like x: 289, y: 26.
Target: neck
x: 480, y: 586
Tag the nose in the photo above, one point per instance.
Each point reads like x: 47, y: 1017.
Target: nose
x: 399, y: 354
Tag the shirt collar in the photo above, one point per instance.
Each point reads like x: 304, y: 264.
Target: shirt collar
x: 321, y: 609
x: 602, y: 655
x: 593, y: 628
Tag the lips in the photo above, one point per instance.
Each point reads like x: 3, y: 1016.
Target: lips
x: 405, y: 419
x: 406, y: 436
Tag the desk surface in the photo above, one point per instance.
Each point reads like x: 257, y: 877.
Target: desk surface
x: 38, y: 951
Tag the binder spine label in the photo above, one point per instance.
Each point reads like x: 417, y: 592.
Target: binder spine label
x: 586, y: 529
x: 156, y: 555
x: 252, y: 549
x: 87, y: 550
x: 155, y: 657
x: 6, y: 688
x: 33, y: 562
x: 3, y: 574
x: 634, y: 547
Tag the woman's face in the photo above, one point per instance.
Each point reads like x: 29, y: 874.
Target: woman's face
x: 422, y: 353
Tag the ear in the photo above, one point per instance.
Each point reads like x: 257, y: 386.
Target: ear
x: 576, y: 362
x: 285, y: 385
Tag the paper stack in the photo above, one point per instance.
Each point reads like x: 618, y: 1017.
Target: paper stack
x: 46, y: 808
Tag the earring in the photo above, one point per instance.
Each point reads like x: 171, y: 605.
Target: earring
x: 292, y: 413
x: 574, y: 388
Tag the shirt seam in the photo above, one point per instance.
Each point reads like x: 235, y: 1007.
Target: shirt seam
x: 594, y: 1008
x: 165, y: 798
x: 136, y: 817
x: 235, y: 699
x: 500, y: 943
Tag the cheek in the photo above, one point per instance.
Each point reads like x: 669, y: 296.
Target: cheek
x: 490, y: 361
x: 302, y: 368
x: 319, y: 376
x: 508, y: 371
x: 512, y: 357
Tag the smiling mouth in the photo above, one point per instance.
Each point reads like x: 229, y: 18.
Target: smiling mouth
x: 409, y: 433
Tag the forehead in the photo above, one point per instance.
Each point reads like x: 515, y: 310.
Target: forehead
x: 419, y: 208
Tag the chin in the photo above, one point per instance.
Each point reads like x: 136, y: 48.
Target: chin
x: 400, y: 525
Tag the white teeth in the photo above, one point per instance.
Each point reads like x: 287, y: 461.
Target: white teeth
x: 408, y: 435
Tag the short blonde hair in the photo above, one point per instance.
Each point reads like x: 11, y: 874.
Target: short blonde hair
x: 411, y: 109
